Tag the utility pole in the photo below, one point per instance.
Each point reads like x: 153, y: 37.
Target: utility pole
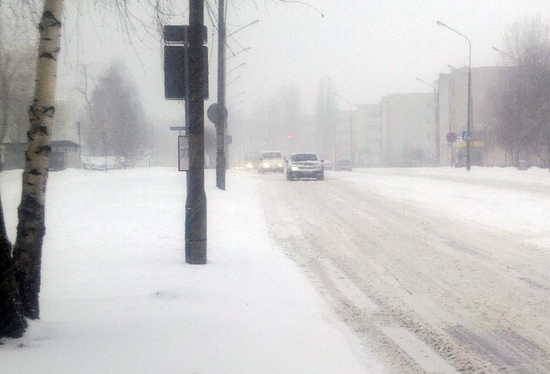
x: 221, y: 124
x: 79, y: 146
x: 195, y: 205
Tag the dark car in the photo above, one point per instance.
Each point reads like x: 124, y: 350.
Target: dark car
x: 343, y: 164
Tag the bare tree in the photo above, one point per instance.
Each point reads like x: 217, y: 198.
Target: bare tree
x: 16, y: 76
x: 118, y: 117
x: 85, y: 87
x: 521, y: 102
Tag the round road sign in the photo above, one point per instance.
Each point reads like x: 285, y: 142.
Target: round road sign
x: 451, y: 137
x: 216, y: 113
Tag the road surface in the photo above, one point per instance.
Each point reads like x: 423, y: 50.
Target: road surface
x: 424, y: 292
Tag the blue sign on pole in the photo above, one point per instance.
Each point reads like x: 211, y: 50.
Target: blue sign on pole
x: 466, y: 136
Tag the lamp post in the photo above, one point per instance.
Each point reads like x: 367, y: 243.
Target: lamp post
x: 505, y: 54
x: 469, y: 120
x: 221, y: 162
x: 221, y: 125
x: 350, y: 128
x: 437, y: 127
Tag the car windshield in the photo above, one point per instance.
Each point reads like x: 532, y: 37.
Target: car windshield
x: 304, y: 157
x: 272, y: 155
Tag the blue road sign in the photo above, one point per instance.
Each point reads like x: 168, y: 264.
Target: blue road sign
x: 466, y: 135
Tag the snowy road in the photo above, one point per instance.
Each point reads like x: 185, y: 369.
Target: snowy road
x: 437, y: 272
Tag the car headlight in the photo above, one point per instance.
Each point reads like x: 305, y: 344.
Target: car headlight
x: 265, y: 165
x: 280, y: 165
x: 293, y: 168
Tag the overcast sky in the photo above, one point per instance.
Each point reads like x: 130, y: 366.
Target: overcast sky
x: 367, y: 49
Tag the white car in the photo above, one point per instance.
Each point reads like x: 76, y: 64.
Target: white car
x: 271, y: 161
x: 304, y: 166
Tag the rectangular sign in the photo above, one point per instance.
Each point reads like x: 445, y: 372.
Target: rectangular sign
x: 176, y: 75
x: 179, y: 34
x: 183, y: 153
x: 463, y: 144
x: 178, y: 128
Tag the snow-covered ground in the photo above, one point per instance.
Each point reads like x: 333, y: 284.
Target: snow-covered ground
x: 437, y: 270
x: 117, y: 296
x: 500, y: 198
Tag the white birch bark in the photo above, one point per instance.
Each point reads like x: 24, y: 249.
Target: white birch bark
x: 31, y: 227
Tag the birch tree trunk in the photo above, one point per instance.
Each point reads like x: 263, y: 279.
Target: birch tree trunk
x: 12, y: 320
x: 27, y: 252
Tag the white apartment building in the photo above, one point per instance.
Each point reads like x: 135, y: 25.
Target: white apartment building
x: 408, y: 129
x: 453, y: 109
x: 368, y: 135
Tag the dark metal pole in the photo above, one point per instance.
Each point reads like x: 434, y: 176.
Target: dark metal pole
x: 469, y: 123
x: 79, y: 147
x: 195, y: 205
x: 469, y: 120
x: 222, y: 122
x: 437, y: 128
x: 351, y: 136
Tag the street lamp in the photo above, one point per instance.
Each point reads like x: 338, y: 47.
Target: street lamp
x: 350, y: 128
x: 469, y: 120
x: 505, y: 54
x: 437, y: 129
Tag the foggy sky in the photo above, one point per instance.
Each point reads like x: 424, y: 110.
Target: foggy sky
x: 367, y: 49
